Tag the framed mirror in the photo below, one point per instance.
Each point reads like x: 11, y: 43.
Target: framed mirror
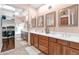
x: 51, y: 19
x: 33, y: 22
x: 40, y: 21
x: 68, y: 16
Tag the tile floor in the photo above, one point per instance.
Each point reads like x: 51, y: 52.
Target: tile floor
x: 22, y: 48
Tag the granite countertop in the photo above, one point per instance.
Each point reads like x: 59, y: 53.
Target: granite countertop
x: 63, y: 36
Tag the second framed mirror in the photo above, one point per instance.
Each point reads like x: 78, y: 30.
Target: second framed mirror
x: 51, y: 19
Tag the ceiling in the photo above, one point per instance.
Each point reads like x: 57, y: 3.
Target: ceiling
x: 36, y: 6
x: 25, y: 6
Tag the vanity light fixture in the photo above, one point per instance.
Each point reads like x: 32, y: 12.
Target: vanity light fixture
x: 49, y: 7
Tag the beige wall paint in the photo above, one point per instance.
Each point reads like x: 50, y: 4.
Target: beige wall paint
x: 32, y: 12
x: 20, y: 19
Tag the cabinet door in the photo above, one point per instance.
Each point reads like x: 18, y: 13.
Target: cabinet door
x: 43, y: 40
x: 11, y: 43
x: 5, y: 46
x: 36, y: 40
x: 54, y: 49
x: 70, y: 51
x: 31, y: 39
x: 66, y: 50
x: 43, y: 49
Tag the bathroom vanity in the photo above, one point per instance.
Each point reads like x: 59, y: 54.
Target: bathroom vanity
x: 54, y: 44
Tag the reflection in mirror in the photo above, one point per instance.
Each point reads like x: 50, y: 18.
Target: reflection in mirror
x: 68, y: 16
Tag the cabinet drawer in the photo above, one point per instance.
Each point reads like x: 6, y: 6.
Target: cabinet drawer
x: 63, y: 42
x: 52, y: 39
x: 5, y: 46
x: 74, y: 45
x: 43, y: 49
x: 43, y: 43
x: 42, y: 40
x: 43, y: 37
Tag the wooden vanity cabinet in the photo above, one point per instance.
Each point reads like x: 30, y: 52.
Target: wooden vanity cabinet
x: 8, y: 44
x: 35, y: 40
x: 43, y: 44
x: 54, y: 48
x: 5, y: 45
x: 11, y: 43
